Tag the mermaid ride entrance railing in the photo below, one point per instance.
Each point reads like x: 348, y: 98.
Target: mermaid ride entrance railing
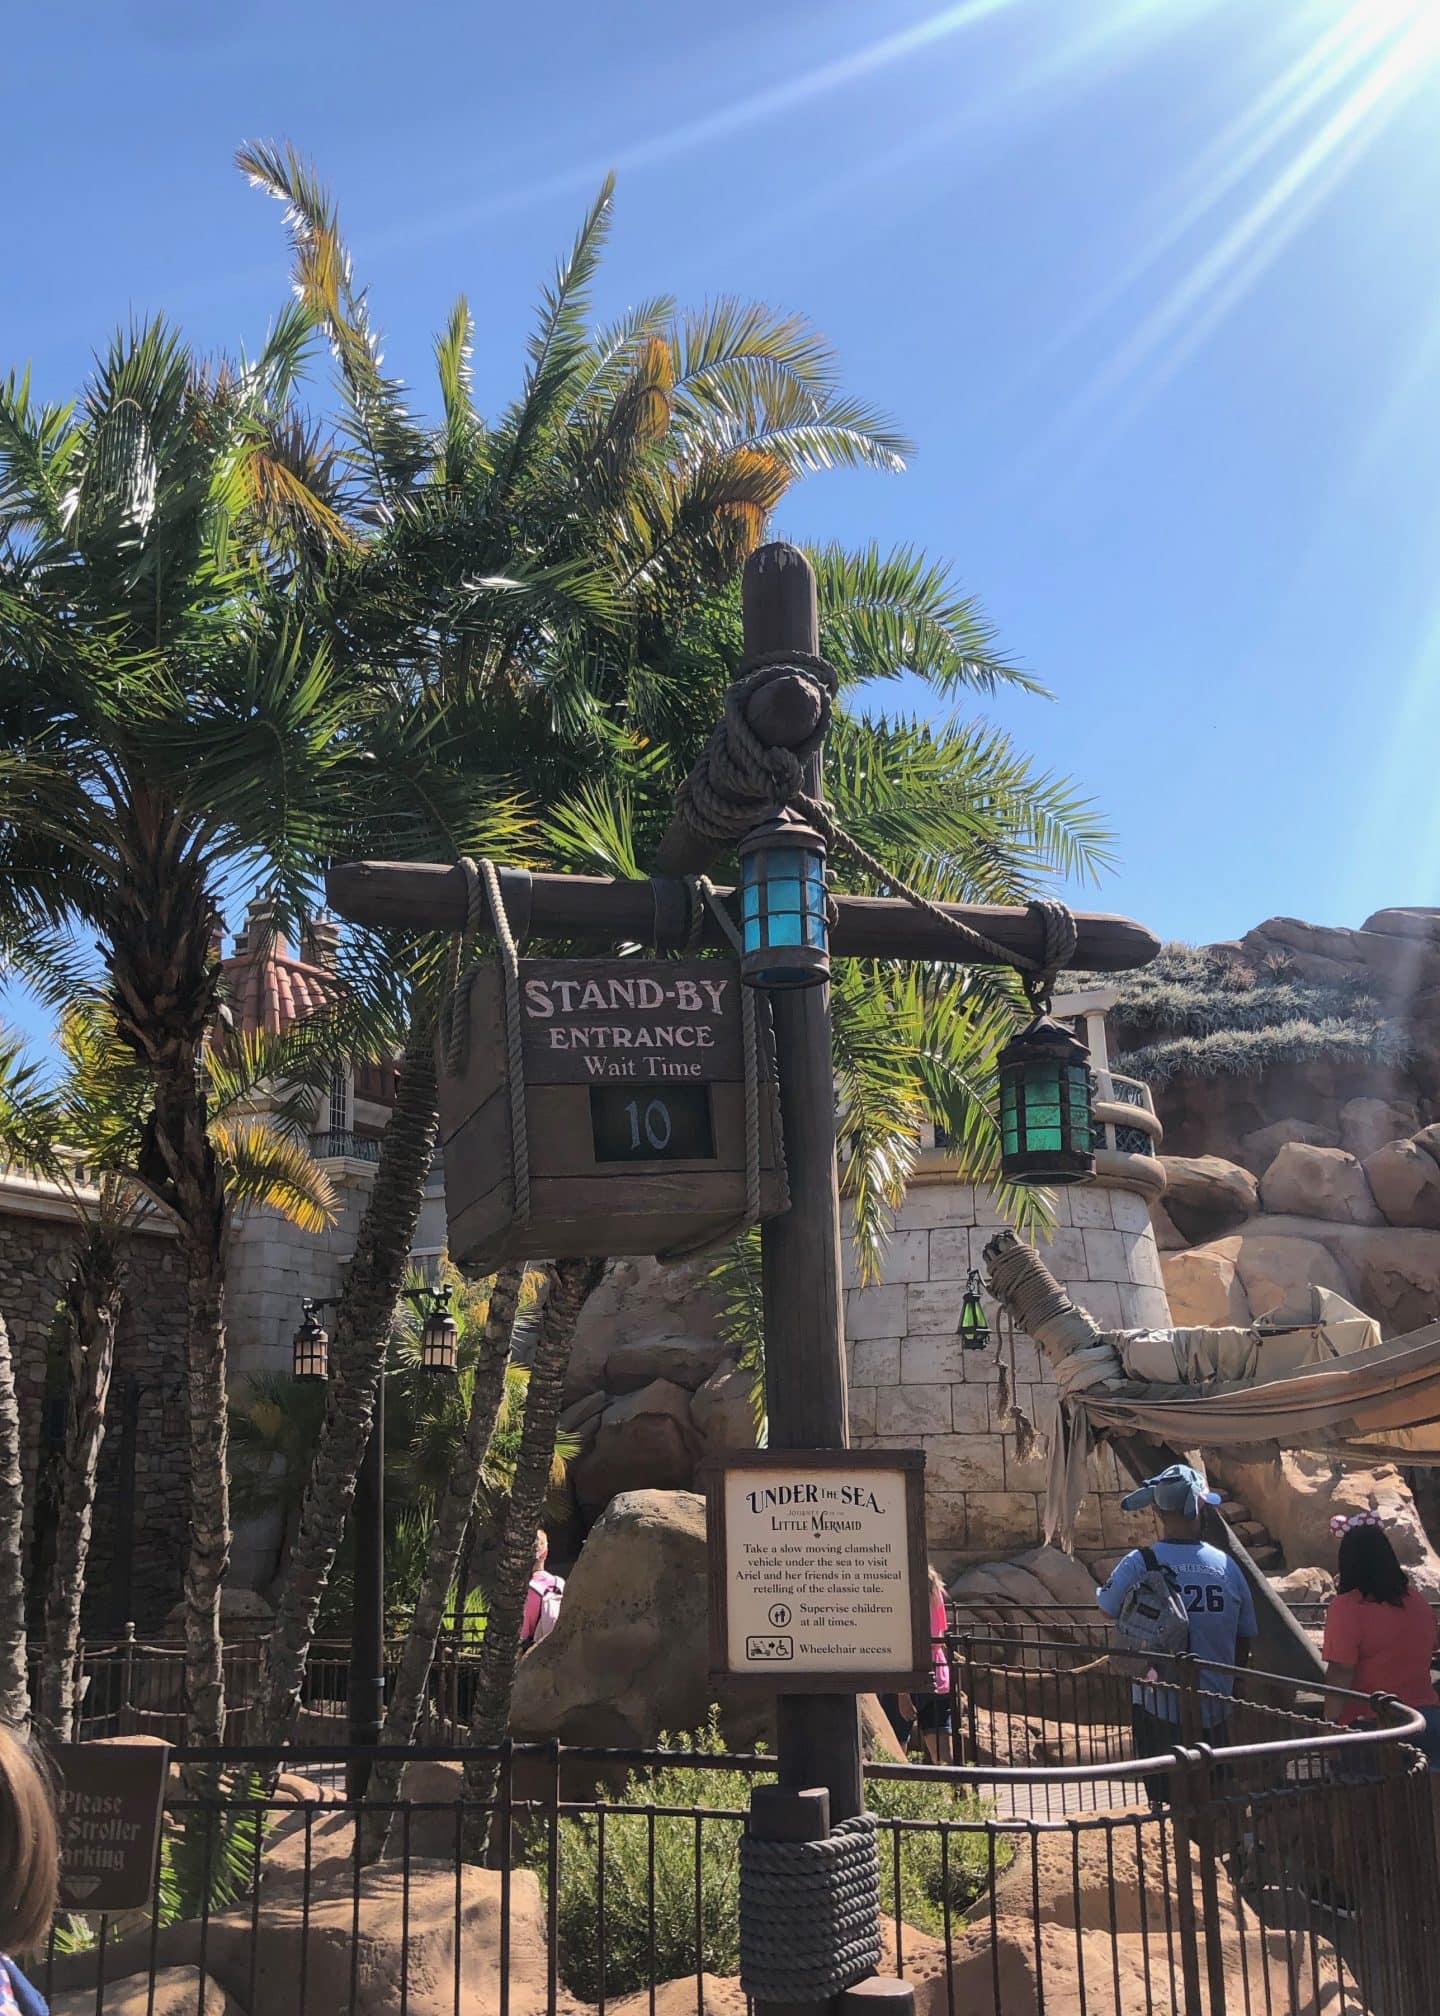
x: 1291, y: 1868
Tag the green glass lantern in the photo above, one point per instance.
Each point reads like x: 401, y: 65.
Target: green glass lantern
x: 440, y: 1339
x: 974, y: 1330
x: 310, y: 1348
x: 784, y: 925
x: 1047, y: 1132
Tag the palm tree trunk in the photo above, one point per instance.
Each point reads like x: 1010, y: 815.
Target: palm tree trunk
x: 572, y: 1282
x: 92, y: 1298
x: 447, y: 1537
x: 362, y: 1330
x: 14, y: 1677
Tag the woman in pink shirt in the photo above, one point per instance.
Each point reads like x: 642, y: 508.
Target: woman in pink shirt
x: 1380, y: 1633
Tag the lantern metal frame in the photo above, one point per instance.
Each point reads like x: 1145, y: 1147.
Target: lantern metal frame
x: 310, y: 1348
x: 972, y: 1329
x: 1047, y: 1091
x: 784, y: 905
x: 440, y: 1338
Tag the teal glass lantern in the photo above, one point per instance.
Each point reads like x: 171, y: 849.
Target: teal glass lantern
x: 440, y: 1339
x: 1047, y: 1132
x: 783, y: 922
x: 310, y: 1348
x: 974, y: 1330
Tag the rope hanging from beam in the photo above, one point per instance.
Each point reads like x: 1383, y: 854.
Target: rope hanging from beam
x: 482, y: 886
x: 740, y: 781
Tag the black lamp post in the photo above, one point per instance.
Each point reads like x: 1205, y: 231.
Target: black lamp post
x: 365, y: 1702
x: 1047, y: 1130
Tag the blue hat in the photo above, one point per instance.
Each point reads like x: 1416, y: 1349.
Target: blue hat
x: 1178, y: 1489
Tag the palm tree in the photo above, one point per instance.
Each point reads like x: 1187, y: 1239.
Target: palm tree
x: 558, y: 589
x: 453, y: 1515
x: 14, y: 1663
x: 84, y: 1133
x: 505, y: 572
x: 571, y: 1284
x: 160, y: 720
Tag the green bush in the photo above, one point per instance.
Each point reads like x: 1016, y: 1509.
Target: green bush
x: 645, y: 1943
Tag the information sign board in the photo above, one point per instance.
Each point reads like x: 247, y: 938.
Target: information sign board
x: 109, y: 1798
x: 818, y: 1577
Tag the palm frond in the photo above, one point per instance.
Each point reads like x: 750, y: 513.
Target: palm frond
x: 264, y: 1168
x: 884, y: 614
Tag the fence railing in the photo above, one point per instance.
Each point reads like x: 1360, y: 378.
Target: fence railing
x: 1288, y: 1875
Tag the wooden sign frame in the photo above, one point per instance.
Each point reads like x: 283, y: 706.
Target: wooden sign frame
x: 110, y: 1799
x: 611, y: 1047
x: 861, y: 1464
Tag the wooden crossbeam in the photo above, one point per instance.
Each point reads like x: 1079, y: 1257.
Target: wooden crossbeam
x: 598, y: 910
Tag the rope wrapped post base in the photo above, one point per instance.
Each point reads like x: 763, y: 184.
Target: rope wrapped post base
x: 809, y: 1900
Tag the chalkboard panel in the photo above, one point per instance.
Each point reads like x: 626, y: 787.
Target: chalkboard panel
x: 631, y: 1123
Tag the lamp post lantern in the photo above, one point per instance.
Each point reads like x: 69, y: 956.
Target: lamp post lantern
x: 440, y: 1339
x: 783, y: 922
x: 310, y: 1348
x: 974, y: 1330
x: 1047, y: 1130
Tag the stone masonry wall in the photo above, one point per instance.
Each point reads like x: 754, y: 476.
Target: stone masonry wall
x: 150, y: 1347
x: 913, y: 1384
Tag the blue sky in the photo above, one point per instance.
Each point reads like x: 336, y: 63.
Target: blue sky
x: 1152, y: 284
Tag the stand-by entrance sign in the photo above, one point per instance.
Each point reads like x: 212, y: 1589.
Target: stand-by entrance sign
x: 818, y: 1576
x: 109, y: 1800
x: 634, y: 1092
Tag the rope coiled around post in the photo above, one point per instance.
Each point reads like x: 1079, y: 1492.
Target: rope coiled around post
x: 809, y: 1913
x: 740, y: 780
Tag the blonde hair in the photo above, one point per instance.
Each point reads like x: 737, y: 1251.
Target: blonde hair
x: 29, y: 1848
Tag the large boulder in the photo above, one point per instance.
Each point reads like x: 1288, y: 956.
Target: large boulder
x: 640, y: 1300
x: 723, y: 1410
x: 1293, y: 1494
x: 1204, y: 1288
x: 1273, y: 1270
x: 684, y: 1359
x: 1405, y: 1182
x: 1319, y: 1183
x: 642, y: 1441
x: 629, y: 1657
x: 1367, y: 1124
x: 1397, y: 1276
x: 1259, y: 1149
x: 1206, y: 1195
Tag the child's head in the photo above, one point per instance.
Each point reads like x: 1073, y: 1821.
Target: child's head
x: 542, y: 1547
x: 29, y: 1848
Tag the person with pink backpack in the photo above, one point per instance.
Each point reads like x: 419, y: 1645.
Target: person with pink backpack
x: 542, y: 1598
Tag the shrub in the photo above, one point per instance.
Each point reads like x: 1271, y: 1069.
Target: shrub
x: 649, y: 1941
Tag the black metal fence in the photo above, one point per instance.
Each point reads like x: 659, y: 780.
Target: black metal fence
x: 1288, y: 1872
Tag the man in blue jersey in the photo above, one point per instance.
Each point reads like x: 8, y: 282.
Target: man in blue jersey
x: 1217, y: 1601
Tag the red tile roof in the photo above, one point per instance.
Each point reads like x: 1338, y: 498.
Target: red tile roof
x: 272, y: 993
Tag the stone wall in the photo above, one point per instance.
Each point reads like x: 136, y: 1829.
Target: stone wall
x: 36, y: 1238
x: 912, y: 1383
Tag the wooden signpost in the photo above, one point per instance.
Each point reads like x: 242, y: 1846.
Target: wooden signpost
x: 626, y: 1160
x: 635, y: 1100
x: 818, y: 1571
x: 109, y: 1799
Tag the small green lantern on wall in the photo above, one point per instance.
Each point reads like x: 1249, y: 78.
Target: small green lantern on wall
x: 974, y: 1330
x: 1047, y: 1132
x: 784, y: 923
